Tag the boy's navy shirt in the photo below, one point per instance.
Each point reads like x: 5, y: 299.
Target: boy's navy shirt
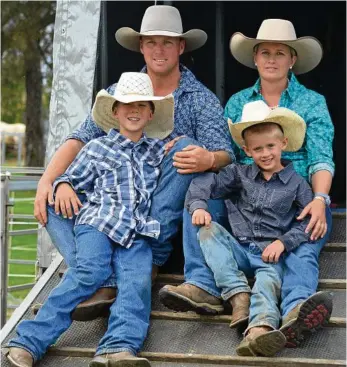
x: 118, y: 177
x: 261, y: 211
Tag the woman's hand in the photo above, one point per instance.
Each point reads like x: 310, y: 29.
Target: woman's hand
x: 66, y: 201
x: 318, y: 222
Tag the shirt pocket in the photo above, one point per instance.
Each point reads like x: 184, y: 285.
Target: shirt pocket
x: 281, y: 200
x: 110, y: 172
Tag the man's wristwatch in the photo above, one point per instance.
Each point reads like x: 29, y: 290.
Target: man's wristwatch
x: 323, y: 197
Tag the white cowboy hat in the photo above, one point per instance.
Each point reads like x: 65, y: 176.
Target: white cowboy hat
x: 133, y: 87
x: 258, y: 112
x: 160, y: 20
x: 309, y: 50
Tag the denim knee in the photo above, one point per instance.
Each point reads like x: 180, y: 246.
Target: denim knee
x: 184, y: 142
x: 214, y: 230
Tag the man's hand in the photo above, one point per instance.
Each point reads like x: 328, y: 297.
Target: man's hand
x: 201, y: 218
x: 193, y: 159
x: 272, y: 252
x: 66, y: 201
x: 44, y: 193
x: 318, y: 222
x: 168, y: 146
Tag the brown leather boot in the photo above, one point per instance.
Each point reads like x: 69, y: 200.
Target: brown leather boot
x: 96, y: 306
x: 240, y: 303
x: 121, y: 359
x: 188, y: 297
x: 308, y: 316
x: 261, y: 341
x: 19, y: 357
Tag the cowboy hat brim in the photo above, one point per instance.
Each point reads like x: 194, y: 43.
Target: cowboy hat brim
x: 159, y: 127
x: 130, y: 39
x: 309, y: 51
x: 294, y: 127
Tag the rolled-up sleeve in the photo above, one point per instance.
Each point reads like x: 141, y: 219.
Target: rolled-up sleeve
x: 319, y: 138
x: 89, y: 130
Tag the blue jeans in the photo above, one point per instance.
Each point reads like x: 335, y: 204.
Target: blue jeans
x: 168, y: 202
x: 61, y: 232
x: 301, y: 272
x: 301, y: 266
x: 231, y: 262
x: 97, y: 258
x: 196, y: 271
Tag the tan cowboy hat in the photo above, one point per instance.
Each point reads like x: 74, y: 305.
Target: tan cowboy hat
x: 133, y: 87
x: 161, y: 20
x: 258, y: 112
x: 309, y: 50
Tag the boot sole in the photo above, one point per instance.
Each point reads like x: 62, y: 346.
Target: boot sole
x: 266, y: 345
x: 141, y: 362
x: 92, y: 311
x: 241, y: 323
x: 181, y: 303
x: 314, y: 313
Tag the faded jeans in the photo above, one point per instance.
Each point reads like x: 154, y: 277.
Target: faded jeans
x: 97, y: 257
x: 231, y: 264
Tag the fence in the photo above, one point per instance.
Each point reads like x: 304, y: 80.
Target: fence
x: 19, y: 144
x: 14, y: 179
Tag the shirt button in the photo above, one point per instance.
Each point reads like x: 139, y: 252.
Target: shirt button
x: 256, y: 228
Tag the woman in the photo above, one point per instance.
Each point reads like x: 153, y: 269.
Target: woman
x: 278, y: 54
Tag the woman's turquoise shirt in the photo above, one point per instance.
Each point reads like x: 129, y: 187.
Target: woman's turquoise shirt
x: 316, y: 153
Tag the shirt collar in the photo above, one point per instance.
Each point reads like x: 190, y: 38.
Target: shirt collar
x: 284, y: 175
x: 188, y: 82
x: 293, y: 85
x: 124, y: 142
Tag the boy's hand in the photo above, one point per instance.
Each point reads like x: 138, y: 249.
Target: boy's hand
x: 66, y: 201
x: 168, y: 146
x: 201, y: 217
x: 272, y: 252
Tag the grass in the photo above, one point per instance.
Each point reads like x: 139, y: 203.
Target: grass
x: 22, y: 247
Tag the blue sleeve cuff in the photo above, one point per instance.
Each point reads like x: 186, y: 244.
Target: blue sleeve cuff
x: 59, y: 180
x: 320, y: 167
x: 198, y: 204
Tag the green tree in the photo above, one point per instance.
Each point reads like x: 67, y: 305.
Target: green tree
x: 26, y: 66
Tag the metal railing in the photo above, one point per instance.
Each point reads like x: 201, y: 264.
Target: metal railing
x: 14, y: 179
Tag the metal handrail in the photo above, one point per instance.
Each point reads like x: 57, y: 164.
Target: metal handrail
x: 12, y: 182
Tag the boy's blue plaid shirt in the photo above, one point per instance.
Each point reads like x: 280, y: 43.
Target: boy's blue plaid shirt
x: 118, y: 177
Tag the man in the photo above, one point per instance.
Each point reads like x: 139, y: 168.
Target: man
x: 205, y: 145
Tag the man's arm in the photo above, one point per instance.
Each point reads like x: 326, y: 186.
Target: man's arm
x: 61, y: 160
x: 212, y: 132
x: 57, y: 166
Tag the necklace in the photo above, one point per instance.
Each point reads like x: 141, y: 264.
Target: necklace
x: 271, y: 107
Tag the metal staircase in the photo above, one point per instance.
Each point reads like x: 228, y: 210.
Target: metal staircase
x: 191, y: 340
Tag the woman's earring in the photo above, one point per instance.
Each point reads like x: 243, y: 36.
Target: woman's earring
x: 291, y: 67
x: 255, y: 64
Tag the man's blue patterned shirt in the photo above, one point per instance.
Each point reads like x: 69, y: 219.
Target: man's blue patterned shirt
x: 316, y: 153
x: 198, y: 115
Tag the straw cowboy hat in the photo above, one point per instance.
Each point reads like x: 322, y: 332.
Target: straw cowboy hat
x: 258, y: 112
x: 309, y: 50
x: 160, y: 20
x: 134, y: 87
